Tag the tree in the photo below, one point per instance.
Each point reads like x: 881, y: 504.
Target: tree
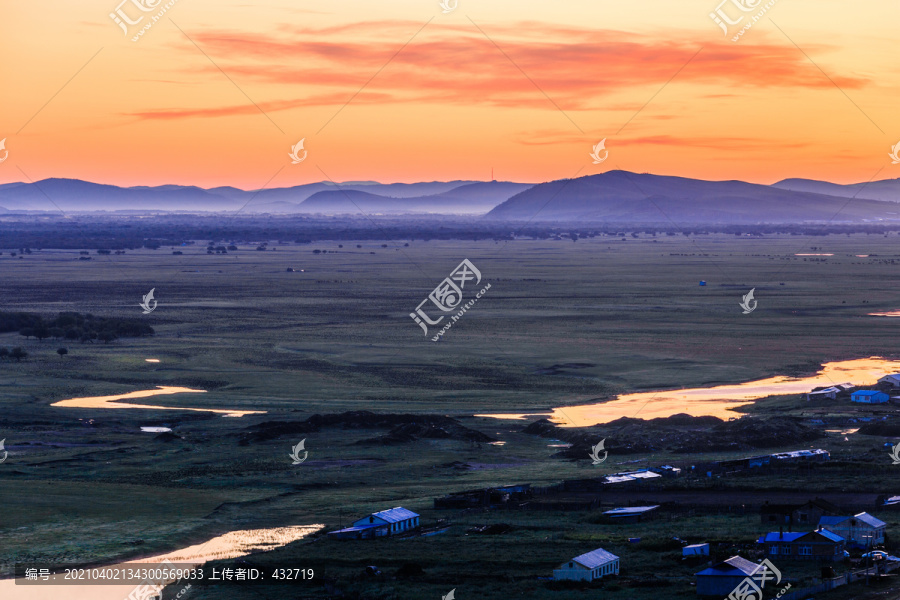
x: 108, y: 336
x: 4, y: 352
x: 27, y: 332
x: 18, y: 354
x: 62, y: 351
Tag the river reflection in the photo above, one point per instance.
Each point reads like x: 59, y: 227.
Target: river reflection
x: 716, y: 401
x: 112, y: 401
x: 231, y: 545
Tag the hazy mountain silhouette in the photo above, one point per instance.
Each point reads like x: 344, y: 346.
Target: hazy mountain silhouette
x: 885, y: 189
x: 472, y: 198
x: 74, y: 195
x: 615, y: 196
x: 643, y: 198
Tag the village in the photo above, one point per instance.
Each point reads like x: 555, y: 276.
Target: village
x: 841, y: 543
x: 802, y: 544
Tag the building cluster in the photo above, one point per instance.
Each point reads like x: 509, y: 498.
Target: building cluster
x: 834, y: 533
x: 778, y: 459
x: 882, y: 394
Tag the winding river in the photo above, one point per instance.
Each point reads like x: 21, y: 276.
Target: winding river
x: 718, y: 401
x: 162, y: 390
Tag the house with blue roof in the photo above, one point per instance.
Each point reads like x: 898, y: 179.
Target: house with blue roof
x: 589, y: 566
x: 861, y: 530
x: 380, y: 524
x: 722, y: 578
x: 869, y: 397
x: 820, y: 545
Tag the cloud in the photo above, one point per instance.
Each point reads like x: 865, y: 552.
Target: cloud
x: 724, y: 143
x: 579, y: 69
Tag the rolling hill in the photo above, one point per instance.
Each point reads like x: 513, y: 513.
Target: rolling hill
x: 885, y: 189
x: 621, y: 196
x: 471, y: 198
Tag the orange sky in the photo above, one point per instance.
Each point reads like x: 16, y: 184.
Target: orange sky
x: 217, y: 92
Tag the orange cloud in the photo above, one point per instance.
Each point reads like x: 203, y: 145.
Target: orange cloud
x: 458, y: 65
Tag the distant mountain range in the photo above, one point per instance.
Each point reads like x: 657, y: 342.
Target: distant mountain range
x: 621, y: 196
x: 615, y: 196
x: 476, y: 198
x: 73, y: 195
x: 886, y: 189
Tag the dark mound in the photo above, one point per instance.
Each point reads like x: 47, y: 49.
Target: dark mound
x: 409, y: 570
x: 882, y: 429
x: 403, y: 428
x: 679, y: 433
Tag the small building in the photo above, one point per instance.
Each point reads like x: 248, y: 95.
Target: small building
x: 869, y: 397
x: 892, y: 380
x: 695, y: 550
x: 891, y: 501
x: 721, y: 579
x: 801, y: 455
x: 822, y: 545
x: 667, y: 471
x: 861, y: 530
x: 776, y: 514
x: 823, y: 393
x: 628, y: 476
x: 589, y: 566
x: 380, y: 524
x: 631, y: 514
x: 811, y: 512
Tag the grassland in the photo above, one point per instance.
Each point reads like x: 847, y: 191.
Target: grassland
x: 87, y: 486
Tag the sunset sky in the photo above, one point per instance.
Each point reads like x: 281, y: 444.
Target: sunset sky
x: 217, y: 92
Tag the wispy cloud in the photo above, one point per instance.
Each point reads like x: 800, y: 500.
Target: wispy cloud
x: 456, y: 65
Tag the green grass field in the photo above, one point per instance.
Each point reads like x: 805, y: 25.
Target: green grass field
x: 85, y: 486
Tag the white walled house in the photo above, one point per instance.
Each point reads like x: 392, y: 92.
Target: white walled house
x: 589, y: 566
x: 862, y: 530
x: 893, y: 380
x: 695, y: 550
